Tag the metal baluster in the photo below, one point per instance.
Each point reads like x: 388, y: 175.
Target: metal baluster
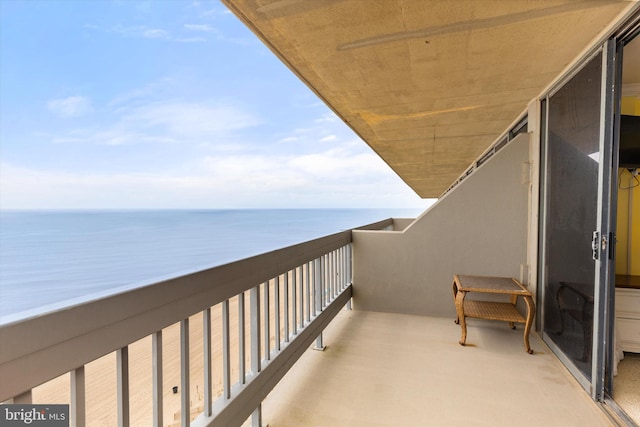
x: 276, y: 304
x: 329, y: 278
x: 350, y: 263
x: 185, y: 400
x: 267, y: 326
x: 321, y: 281
x: 349, y: 270
x: 316, y: 286
x: 341, y: 269
x: 325, y: 283
x: 122, y: 358
x: 206, y: 351
x: 303, y: 280
x: 332, y: 285
x: 156, y: 356
x: 338, y: 260
x: 319, y: 297
x: 241, y: 333
x: 286, y: 306
x: 339, y: 264
x: 294, y: 301
x: 345, y: 267
x: 256, y: 417
x: 301, y: 297
x: 255, y: 329
x: 334, y: 273
x: 77, y: 408
x: 226, y: 357
x: 308, y: 293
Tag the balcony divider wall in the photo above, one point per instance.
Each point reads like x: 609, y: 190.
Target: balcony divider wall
x: 479, y: 227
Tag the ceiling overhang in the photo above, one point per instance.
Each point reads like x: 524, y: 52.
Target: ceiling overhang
x: 429, y: 85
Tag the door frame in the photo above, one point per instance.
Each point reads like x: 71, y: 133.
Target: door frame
x: 625, y: 35
x: 602, y: 302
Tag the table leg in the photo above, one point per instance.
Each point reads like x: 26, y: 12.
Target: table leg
x: 460, y: 311
x: 455, y: 292
x: 513, y: 299
x: 527, y: 328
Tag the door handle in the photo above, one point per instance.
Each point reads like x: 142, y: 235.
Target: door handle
x: 595, y: 245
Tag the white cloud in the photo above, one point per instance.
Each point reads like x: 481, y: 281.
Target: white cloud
x: 251, y: 172
x: 141, y: 31
x: 289, y: 139
x: 206, y: 28
x: 341, y: 165
x: 327, y: 118
x: 32, y: 189
x: 141, y: 94
x: 342, y: 172
x: 154, y: 33
x: 210, y: 12
x: 219, y: 35
x: 328, y: 138
x: 190, y: 119
x: 323, y: 129
x: 114, y: 136
x: 145, y: 32
x: 164, y: 122
x: 73, y: 106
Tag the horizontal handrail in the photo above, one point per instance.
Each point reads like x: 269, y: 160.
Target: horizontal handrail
x: 51, y: 344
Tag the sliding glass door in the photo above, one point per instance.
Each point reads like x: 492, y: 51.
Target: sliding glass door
x: 575, y: 229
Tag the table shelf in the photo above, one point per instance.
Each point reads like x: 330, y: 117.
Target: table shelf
x: 489, y: 310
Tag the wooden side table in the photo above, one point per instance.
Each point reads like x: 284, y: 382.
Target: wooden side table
x: 490, y: 310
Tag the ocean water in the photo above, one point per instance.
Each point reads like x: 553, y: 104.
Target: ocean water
x: 52, y: 258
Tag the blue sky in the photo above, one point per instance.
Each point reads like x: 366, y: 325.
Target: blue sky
x: 167, y: 104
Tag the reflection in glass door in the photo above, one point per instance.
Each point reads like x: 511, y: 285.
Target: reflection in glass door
x: 572, y: 151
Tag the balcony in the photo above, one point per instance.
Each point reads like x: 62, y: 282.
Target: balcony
x: 116, y: 360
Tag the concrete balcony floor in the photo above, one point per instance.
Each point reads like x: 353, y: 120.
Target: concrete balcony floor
x: 399, y: 370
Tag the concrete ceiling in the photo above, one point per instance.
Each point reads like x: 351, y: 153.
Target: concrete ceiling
x: 428, y: 84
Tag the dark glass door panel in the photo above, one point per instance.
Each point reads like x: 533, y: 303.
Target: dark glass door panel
x: 571, y: 204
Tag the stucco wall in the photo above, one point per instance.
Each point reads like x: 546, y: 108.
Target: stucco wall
x: 478, y: 228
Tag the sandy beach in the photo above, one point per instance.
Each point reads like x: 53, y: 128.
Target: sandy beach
x: 100, y: 375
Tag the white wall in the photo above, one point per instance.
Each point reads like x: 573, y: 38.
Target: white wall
x: 480, y: 227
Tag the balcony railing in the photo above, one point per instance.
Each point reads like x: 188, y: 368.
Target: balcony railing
x: 293, y: 294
